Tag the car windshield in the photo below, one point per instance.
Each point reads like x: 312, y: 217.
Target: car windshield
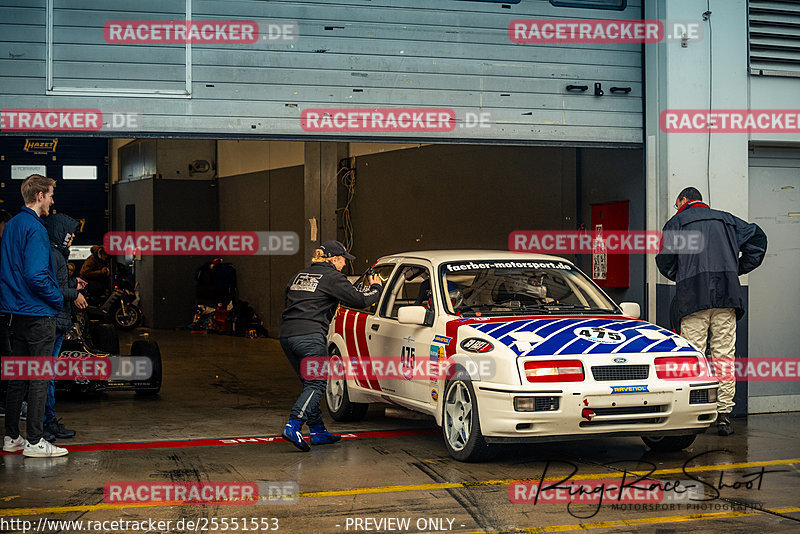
x: 504, y: 287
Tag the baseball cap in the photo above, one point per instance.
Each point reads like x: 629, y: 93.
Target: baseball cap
x: 335, y: 248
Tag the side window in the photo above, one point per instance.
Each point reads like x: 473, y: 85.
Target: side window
x: 362, y: 284
x: 411, y: 286
x: 618, y: 5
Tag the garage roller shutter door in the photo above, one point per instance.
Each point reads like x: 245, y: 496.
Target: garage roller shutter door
x: 349, y: 54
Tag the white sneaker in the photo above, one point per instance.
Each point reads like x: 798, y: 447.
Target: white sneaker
x: 43, y: 449
x: 14, y: 445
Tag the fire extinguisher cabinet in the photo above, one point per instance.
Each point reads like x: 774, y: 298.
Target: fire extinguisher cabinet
x: 609, y: 270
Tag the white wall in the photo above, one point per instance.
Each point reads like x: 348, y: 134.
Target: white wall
x: 679, y: 78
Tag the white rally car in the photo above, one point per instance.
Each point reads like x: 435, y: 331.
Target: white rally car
x: 535, y: 351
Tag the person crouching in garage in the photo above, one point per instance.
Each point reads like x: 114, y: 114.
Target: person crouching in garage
x: 312, y: 296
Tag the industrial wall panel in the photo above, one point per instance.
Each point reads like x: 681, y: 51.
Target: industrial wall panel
x: 774, y: 204
x: 349, y: 54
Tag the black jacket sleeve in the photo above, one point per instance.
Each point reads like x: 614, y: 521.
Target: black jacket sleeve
x: 341, y: 289
x: 667, y: 260
x: 752, y: 244
x: 67, y: 285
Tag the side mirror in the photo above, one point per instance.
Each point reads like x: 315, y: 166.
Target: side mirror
x: 412, y: 315
x: 631, y: 309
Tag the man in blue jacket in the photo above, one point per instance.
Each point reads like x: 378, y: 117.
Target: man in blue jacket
x: 30, y: 294
x: 709, y: 297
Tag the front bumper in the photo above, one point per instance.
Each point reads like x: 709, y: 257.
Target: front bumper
x: 590, y: 411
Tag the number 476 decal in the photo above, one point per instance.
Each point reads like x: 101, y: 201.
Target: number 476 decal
x: 598, y: 334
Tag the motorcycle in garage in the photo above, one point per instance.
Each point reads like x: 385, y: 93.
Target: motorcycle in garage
x: 119, y: 305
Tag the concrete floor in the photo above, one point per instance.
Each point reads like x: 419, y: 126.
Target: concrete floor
x: 223, y: 387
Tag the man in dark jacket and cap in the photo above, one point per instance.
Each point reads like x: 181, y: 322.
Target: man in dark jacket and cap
x: 312, y: 297
x: 61, y: 229
x: 709, y: 297
x: 95, y: 270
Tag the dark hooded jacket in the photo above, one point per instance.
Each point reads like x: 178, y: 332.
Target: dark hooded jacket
x: 710, y: 278
x: 59, y: 228
x: 312, y: 296
x: 92, y: 268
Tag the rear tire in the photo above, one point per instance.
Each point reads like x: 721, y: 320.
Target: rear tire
x: 150, y: 350
x: 668, y: 443
x: 461, y: 425
x: 337, y: 397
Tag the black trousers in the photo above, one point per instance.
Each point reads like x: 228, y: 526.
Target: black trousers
x: 5, y: 350
x: 33, y: 336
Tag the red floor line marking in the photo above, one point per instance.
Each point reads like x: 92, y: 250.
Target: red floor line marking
x: 180, y: 444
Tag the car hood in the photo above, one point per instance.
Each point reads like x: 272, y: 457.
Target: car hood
x: 534, y: 336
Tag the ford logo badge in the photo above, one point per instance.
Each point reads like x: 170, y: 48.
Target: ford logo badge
x: 620, y: 360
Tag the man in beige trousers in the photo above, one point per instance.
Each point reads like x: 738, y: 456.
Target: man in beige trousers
x: 709, y: 297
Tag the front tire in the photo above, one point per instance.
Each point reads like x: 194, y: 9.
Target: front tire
x: 668, y: 443
x: 128, y: 319
x: 338, y: 399
x: 153, y: 353
x: 104, y: 338
x: 461, y: 425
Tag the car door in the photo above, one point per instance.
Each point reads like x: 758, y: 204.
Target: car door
x: 356, y: 328
x: 404, y: 346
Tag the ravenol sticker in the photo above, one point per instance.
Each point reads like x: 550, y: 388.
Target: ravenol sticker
x: 630, y: 389
x: 442, y: 339
x: 434, y: 395
x: 598, y: 334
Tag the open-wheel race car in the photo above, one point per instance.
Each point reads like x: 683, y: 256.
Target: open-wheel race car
x: 90, y: 339
x: 534, y: 351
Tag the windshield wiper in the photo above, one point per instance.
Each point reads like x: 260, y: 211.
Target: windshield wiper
x: 561, y: 306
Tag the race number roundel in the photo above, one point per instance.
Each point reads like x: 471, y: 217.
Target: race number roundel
x: 597, y: 334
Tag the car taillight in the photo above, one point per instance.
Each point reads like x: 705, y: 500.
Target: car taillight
x: 554, y: 371
x: 679, y: 367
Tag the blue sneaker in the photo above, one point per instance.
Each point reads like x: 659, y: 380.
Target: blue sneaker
x: 292, y: 434
x: 320, y: 436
